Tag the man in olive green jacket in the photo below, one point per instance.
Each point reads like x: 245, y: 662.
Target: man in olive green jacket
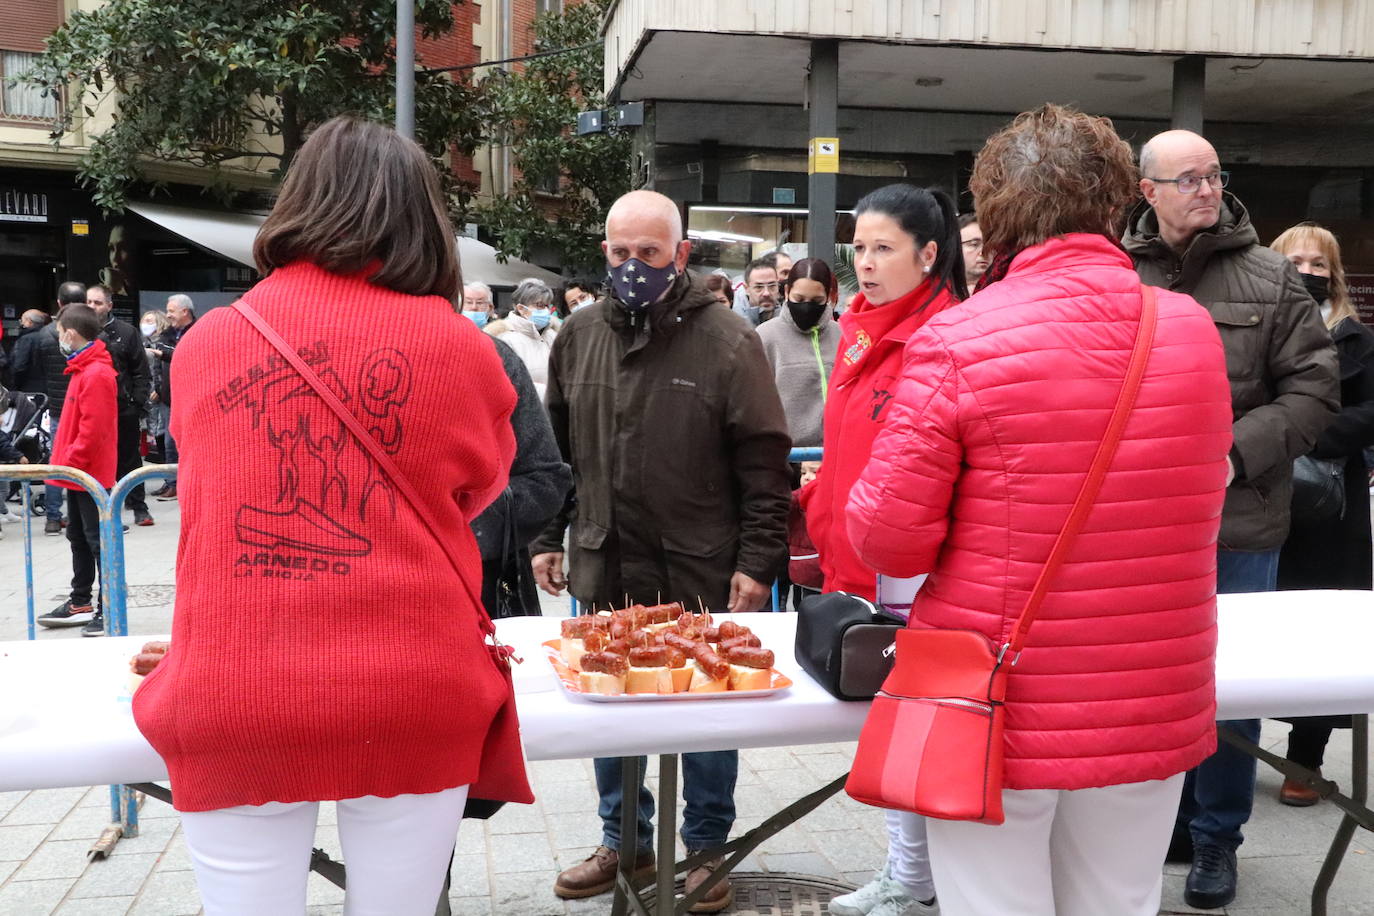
x: 1190, y: 237
x: 665, y: 406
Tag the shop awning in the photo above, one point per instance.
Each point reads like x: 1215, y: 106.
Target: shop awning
x: 230, y: 235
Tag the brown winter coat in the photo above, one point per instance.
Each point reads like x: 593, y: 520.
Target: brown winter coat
x: 1279, y: 357
x: 678, y: 445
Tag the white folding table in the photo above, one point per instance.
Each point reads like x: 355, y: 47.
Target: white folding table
x: 65, y: 717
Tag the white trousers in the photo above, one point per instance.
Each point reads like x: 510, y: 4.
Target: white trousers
x: 908, y: 855
x: 1087, y: 852
x: 254, y: 860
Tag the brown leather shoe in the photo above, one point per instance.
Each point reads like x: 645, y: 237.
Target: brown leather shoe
x: 1296, y: 795
x: 718, y: 897
x: 596, y: 875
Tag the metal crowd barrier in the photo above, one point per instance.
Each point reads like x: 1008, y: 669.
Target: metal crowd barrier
x: 114, y: 590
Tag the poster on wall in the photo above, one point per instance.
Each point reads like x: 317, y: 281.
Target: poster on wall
x: 107, y: 254
x: 1361, y: 288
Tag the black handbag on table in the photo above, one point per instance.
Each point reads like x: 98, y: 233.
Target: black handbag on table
x: 845, y: 643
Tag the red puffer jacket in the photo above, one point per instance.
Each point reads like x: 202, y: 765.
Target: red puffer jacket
x: 867, y: 367
x: 1002, y: 403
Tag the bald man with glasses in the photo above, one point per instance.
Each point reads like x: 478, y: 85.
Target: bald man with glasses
x: 1191, y: 236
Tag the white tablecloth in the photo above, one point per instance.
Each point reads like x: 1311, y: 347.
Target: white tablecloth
x: 65, y: 718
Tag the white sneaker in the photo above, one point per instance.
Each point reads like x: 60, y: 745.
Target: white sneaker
x: 863, y: 900
x: 897, y: 902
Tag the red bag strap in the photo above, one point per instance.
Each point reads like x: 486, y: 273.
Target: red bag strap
x: 379, y: 454
x: 1097, y: 472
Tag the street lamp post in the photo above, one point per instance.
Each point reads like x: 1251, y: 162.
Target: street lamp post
x: 405, y: 68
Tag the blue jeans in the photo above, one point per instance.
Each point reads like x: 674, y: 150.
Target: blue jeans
x: 170, y: 453
x: 708, y: 794
x: 1218, y: 795
x: 52, y: 501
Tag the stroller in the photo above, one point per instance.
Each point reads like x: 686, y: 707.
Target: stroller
x: 25, y: 422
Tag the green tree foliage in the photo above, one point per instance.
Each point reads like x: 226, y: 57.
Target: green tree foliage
x: 535, y: 113
x: 201, y: 81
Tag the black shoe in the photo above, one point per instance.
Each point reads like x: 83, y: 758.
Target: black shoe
x: 168, y: 492
x: 52, y: 527
x: 1212, y: 879
x: 67, y: 614
x: 96, y: 626
x: 143, y: 518
x: 1180, y: 846
x: 160, y: 490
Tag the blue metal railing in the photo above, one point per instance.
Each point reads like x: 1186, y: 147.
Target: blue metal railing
x: 114, y: 591
x: 25, y: 473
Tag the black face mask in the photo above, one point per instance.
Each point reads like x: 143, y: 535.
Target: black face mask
x: 807, y: 315
x: 1318, y: 288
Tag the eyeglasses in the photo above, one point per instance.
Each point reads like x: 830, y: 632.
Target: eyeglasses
x: 973, y: 243
x: 1189, y: 184
x: 764, y: 287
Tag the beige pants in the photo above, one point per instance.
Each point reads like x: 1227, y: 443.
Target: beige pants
x: 1089, y: 852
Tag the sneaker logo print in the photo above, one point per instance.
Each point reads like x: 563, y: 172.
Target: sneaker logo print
x: 319, y: 507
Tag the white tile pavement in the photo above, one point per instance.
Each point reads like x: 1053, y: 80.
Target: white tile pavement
x: 505, y: 867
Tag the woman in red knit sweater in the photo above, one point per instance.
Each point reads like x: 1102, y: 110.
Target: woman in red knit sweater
x: 326, y: 645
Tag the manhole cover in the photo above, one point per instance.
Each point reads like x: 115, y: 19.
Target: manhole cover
x: 151, y: 595
x: 142, y: 595
x: 781, y: 894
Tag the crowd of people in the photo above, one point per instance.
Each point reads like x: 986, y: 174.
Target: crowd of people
x: 41, y: 382
x: 628, y: 441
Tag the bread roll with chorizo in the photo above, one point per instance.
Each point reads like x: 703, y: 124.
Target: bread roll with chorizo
x: 751, y: 668
x: 604, y: 673
x: 710, y: 672
x: 649, y: 671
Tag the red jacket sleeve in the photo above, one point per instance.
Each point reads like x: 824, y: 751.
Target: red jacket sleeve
x: 898, y: 513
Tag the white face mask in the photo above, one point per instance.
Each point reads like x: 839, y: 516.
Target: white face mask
x: 583, y: 303
x: 148, y: 329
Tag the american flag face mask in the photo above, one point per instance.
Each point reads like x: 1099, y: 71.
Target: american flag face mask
x: 636, y: 284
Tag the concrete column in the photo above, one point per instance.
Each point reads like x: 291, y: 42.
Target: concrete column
x: 644, y: 154
x: 823, y: 100
x: 1190, y: 88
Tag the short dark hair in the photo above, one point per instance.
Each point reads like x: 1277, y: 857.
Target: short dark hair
x: 925, y: 214
x: 104, y: 290
x: 359, y: 192
x: 812, y: 269
x: 71, y: 292
x: 719, y: 283
x: 967, y: 219
x: 80, y: 318
x: 767, y: 262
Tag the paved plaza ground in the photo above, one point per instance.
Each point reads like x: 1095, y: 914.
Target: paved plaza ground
x: 506, y: 866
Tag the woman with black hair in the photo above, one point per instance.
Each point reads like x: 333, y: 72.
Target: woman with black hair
x: 801, y: 346
x: 577, y: 294
x: 909, y: 265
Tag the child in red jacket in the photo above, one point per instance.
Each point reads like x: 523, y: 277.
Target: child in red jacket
x: 86, y: 440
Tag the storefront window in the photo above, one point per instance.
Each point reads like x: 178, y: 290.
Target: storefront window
x: 22, y: 101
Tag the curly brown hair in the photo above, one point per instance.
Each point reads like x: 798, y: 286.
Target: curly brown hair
x: 1053, y: 170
